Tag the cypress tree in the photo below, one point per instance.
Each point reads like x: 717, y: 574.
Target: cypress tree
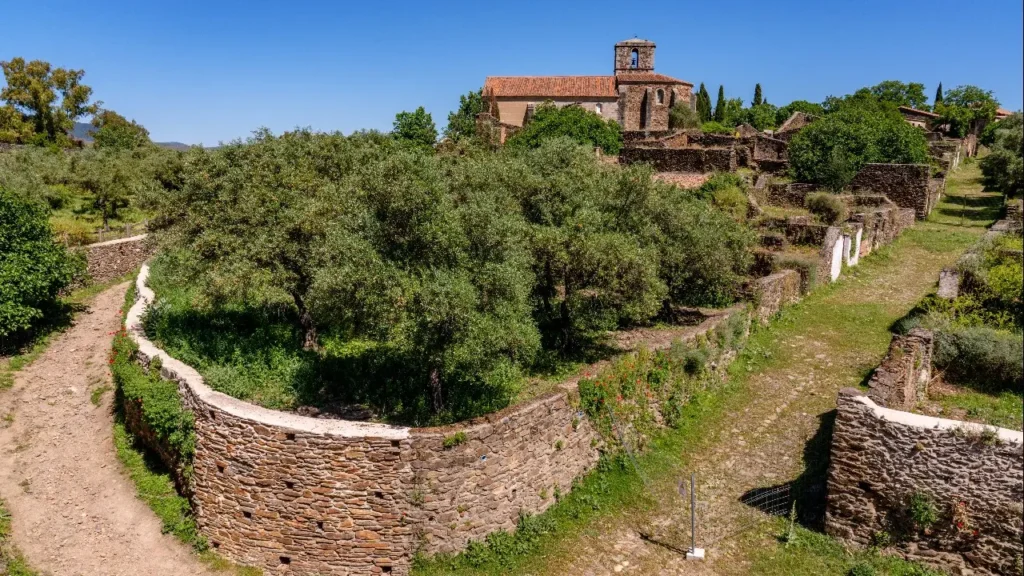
x: 703, y: 104
x: 938, y: 94
x: 720, y: 105
x: 758, y: 100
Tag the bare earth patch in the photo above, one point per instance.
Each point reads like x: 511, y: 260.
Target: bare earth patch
x: 74, y: 511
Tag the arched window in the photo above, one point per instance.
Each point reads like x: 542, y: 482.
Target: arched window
x: 634, y: 59
x: 660, y: 96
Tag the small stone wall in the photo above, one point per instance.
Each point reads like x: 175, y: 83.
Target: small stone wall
x: 682, y: 159
x: 315, y: 496
x: 830, y: 257
x: 881, y: 226
x: 905, y: 184
x: 766, y: 148
x: 115, y: 258
x: 972, y: 474
x: 902, y: 378
x: 788, y: 194
x: 772, y: 293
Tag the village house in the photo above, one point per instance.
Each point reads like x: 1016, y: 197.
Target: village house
x: 636, y: 96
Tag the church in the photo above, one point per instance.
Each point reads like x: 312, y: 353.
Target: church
x: 636, y: 96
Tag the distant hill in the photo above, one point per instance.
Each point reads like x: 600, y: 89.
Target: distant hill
x: 83, y: 132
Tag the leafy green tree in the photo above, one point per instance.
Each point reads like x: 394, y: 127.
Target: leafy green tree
x: 1003, y: 168
x: 462, y: 122
x: 833, y: 149
x: 580, y: 125
x: 415, y: 128
x: 716, y: 128
x: 113, y: 179
x: 760, y: 116
x: 901, y: 93
x: 966, y: 109
x: 50, y: 99
x: 938, y: 95
x: 812, y: 108
x: 703, y: 104
x: 758, y: 99
x: 33, y: 268
x: 13, y: 127
x: 681, y: 116
x: 117, y: 132
x: 720, y: 105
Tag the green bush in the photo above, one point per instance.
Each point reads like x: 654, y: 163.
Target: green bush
x: 1003, y: 169
x: 984, y: 358
x: 833, y: 149
x: 827, y: 207
x: 33, y: 268
x: 682, y: 116
x: 714, y: 127
x: 574, y: 122
x: 862, y: 569
x: 921, y: 511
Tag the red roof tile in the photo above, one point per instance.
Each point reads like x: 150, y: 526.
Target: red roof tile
x: 552, y: 86
x: 650, y: 77
x: 1000, y: 112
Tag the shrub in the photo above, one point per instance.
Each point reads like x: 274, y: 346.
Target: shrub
x: 982, y: 357
x: 715, y: 127
x: 454, y: 440
x: 833, y: 149
x: 827, y: 207
x: 682, y: 116
x: 33, y: 268
x: 574, y: 122
x: 1003, y: 169
x: 862, y: 569
x: 921, y: 511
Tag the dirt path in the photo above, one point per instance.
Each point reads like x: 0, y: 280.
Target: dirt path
x: 74, y: 511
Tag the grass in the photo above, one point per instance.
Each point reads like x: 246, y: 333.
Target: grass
x: 811, y: 553
x: 11, y: 561
x: 966, y: 202
x: 156, y: 488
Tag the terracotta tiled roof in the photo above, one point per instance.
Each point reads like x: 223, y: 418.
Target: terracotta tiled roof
x: 910, y: 110
x: 649, y: 77
x: 1000, y: 112
x: 552, y: 86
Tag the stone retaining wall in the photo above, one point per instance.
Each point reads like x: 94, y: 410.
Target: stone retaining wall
x: 772, y: 293
x: 316, y: 496
x: 973, y: 476
x: 902, y: 378
x: 682, y: 159
x: 905, y: 184
x: 115, y: 258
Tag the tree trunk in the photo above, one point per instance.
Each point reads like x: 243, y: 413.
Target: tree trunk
x: 435, y: 388
x: 309, y: 336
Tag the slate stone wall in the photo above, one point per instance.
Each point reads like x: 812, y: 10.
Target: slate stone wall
x: 682, y: 159
x: 902, y: 378
x: 973, y: 477
x: 115, y: 258
x: 905, y: 184
x: 772, y: 293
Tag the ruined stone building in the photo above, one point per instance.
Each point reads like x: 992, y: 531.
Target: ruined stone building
x: 636, y: 96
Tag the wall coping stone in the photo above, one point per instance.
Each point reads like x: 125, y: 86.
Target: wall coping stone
x: 177, y: 370
x: 929, y: 422
x: 117, y: 241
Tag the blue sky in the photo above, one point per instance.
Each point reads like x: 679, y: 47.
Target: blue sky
x: 204, y: 72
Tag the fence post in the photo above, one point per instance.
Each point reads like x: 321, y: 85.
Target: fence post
x: 694, y: 553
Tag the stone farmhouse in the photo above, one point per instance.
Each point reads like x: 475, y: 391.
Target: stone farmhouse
x: 636, y: 96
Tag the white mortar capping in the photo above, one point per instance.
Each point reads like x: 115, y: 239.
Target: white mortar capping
x: 185, y: 375
x: 933, y: 423
x: 112, y: 242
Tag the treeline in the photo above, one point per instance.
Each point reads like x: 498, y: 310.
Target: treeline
x: 454, y: 272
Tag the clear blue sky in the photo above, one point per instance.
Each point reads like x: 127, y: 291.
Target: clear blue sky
x: 203, y: 72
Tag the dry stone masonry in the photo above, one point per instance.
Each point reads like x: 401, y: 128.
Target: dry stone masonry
x: 115, y: 258
x: 972, y: 475
x: 315, y: 496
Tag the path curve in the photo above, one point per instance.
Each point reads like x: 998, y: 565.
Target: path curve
x: 74, y: 510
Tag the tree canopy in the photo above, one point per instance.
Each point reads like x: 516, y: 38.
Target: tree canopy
x: 416, y: 128
x: 47, y: 99
x: 704, y: 104
x: 574, y: 122
x: 462, y: 122
x: 901, y: 93
x: 966, y: 109
x: 833, y: 149
x: 758, y: 97
x: 1003, y: 168
x: 117, y: 132
x: 33, y: 268
x: 720, y: 105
